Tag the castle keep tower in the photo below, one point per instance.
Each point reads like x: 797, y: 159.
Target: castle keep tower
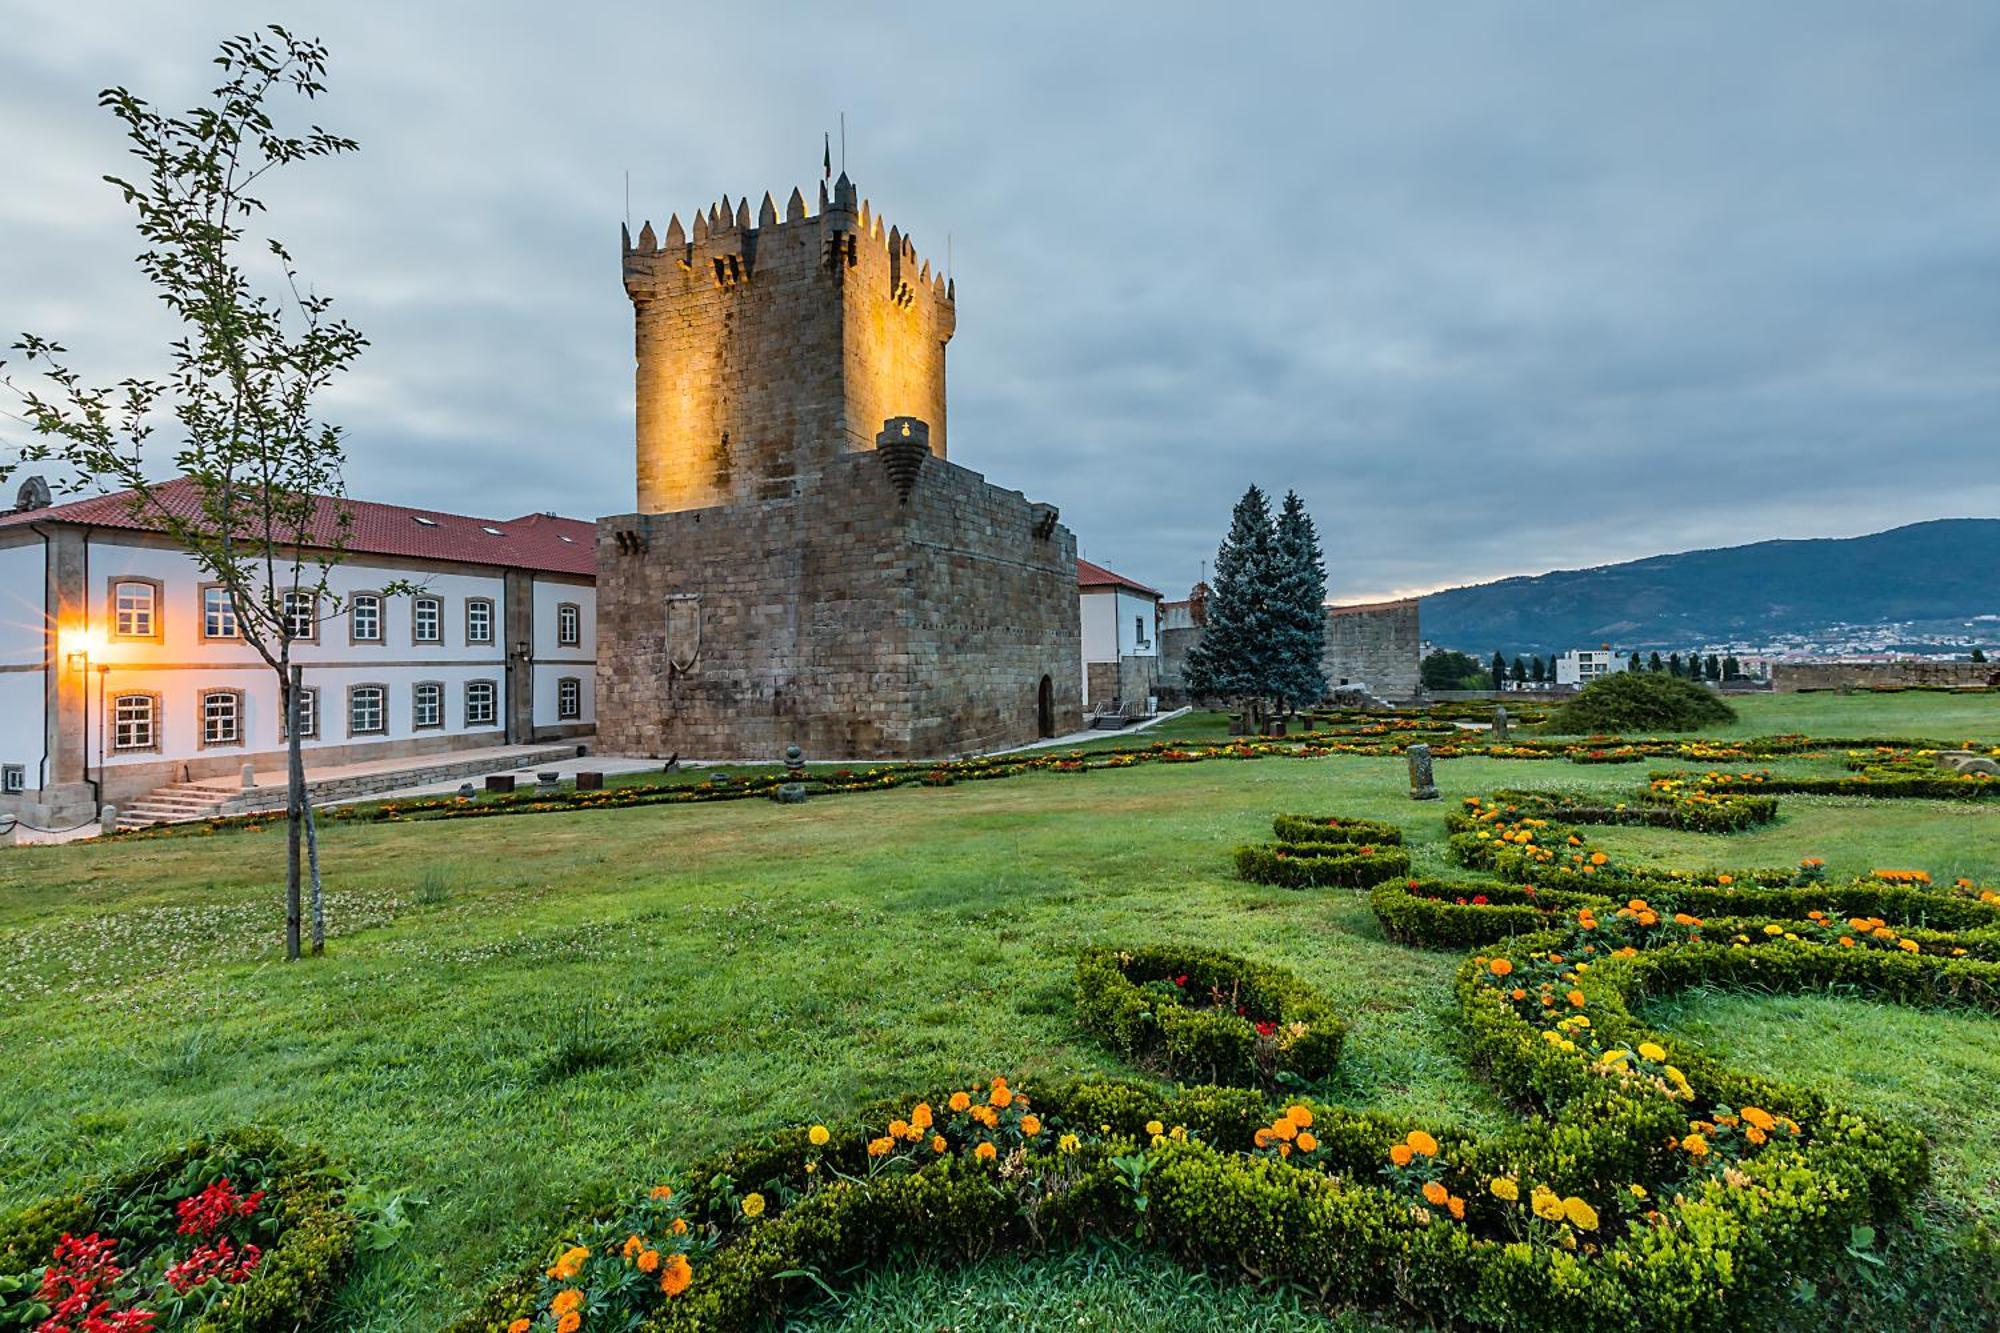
x: 804, y: 565
x: 766, y: 350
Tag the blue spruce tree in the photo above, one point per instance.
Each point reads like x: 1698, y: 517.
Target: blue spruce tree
x: 1238, y: 653
x: 1298, y: 601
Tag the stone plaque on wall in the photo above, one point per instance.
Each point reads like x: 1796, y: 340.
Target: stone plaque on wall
x: 683, y: 642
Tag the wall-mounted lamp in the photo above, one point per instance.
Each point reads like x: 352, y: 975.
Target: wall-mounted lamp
x: 78, y: 660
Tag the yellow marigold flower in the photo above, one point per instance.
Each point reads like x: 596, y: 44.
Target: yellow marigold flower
x: 1580, y: 1214
x: 569, y: 1323
x: 753, y: 1205
x: 938, y: 1145
x: 1300, y: 1116
x: 1155, y: 1127
x: 674, y: 1278
x: 960, y: 1100
x: 1031, y: 1125
x: 1398, y: 1153
x: 920, y: 1115
x: 1070, y: 1143
x: 1435, y: 1194
x: 1503, y: 1187
x: 1306, y: 1142
x: 1423, y: 1143
x: 881, y: 1147
x: 1652, y: 1051
x: 1774, y: 929
x: 1548, y: 1205
x: 817, y: 1136
x: 648, y: 1260
x: 985, y: 1152
x: 1696, y: 1145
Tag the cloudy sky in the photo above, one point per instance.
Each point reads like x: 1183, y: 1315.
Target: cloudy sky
x: 1497, y: 287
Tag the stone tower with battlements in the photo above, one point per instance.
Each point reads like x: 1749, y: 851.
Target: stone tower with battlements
x: 804, y: 565
x: 768, y: 347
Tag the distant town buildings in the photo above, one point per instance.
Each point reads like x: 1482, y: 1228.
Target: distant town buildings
x: 1580, y: 666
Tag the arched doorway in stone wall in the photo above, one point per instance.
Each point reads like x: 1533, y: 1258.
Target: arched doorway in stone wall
x: 1045, y: 708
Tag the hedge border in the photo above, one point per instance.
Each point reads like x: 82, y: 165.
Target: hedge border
x: 1281, y: 865
x: 1299, y: 830
x: 1220, y: 1046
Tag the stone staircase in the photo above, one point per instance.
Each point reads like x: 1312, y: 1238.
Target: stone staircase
x: 185, y: 802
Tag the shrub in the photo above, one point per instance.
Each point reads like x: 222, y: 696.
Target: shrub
x: 1301, y: 866
x: 1628, y: 702
x: 1200, y: 1013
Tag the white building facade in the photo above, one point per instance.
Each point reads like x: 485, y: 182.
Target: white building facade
x: 122, y: 668
x: 1580, y: 666
x: 1121, y: 635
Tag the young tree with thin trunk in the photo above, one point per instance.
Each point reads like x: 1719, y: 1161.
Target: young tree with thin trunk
x: 253, y: 354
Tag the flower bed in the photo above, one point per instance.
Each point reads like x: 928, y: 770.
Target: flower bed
x: 1303, y: 866
x: 1197, y: 1013
x: 239, y: 1233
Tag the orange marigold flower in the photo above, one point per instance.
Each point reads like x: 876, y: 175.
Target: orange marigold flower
x: 985, y: 1152
x: 1457, y: 1206
x: 1307, y: 1143
x: 569, y: 1323
x: 662, y: 1192
x: 1262, y: 1138
x: 1300, y: 1116
x: 674, y: 1278
x: 1282, y: 1128
x: 1500, y: 967
x: 569, y: 1298
x: 680, y: 1226
x: 1031, y: 1125
x: 648, y: 1260
x: 899, y: 1129
x: 632, y: 1246
x: 938, y: 1145
x: 1575, y: 997
x: 1398, y: 1153
x: 881, y: 1147
x: 1002, y: 1096
x: 1420, y: 1142
x: 920, y: 1115
x: 518, y: 1326
x: 1759, y: 1117
x: 1435, y: 1194
x: 960, y: 1100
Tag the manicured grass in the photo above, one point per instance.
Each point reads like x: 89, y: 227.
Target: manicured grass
x: 517, y: 1015
x: 1936, y: 716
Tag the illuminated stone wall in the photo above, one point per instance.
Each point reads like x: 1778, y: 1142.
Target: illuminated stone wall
x: 855, y: 623
x: 765, y: 348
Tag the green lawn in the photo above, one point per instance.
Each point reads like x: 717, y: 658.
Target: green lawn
x: 518, y: 1013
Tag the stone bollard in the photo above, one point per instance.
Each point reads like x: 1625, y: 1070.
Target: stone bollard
x: 249, y: 777
x: 793, y: 792
x: 1422, y: 787
x: 107, y: 820
x: 548, y: 784
x: 500, y: 783
x: 1500, y: 723
x: 466, y: 791
x: 590, y: 781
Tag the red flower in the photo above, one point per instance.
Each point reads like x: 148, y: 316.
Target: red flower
x: 1479, y: 900
x: 219, y: 1259
x: 1266, y: 1027
x: 201, y: 1214
x: 1181, y: 980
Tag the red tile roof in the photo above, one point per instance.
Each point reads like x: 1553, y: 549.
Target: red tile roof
x: 532, y: 541
x: 1097, y: 576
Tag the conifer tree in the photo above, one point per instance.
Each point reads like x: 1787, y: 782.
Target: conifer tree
x: 1674, y: 664
x: 1237, y: 655
x: 1498, y: 671
x: 1519, y: 670
x: 1653, y: 664
x: 1538, y: 673
x: 1298, y: 604
x: 1713, y: 670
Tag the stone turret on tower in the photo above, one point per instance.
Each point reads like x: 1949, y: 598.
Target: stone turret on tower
x: 765, y: 351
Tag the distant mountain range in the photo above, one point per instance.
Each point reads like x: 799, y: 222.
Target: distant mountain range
x: 1932, y: 576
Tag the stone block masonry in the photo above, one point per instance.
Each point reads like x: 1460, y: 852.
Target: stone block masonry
x: 854, y: 623
x: 1377, y: 644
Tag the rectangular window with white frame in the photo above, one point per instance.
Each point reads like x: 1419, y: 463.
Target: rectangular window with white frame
x: 364, y: 618
x: 569, y: 625
x: 482, y: 703
x: 367, y: 710
x: 427, y: 620
x: 221, y: 717
x: 135, y: 722
x: 479, y: 620
x: 308, y: 715
x: 302, y: 616
x: 569, y: 699
x: 427, y: 705
x: 135, y: 609
x: 13, y: 779
x: 218, y: 613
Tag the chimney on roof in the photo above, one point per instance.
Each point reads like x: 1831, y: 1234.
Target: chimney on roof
x: 34, y: 494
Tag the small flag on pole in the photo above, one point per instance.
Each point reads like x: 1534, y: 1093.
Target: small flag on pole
x: 829, y: 156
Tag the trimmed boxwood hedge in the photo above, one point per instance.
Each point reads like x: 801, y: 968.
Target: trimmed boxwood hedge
x: 1335, y: 829
x: 293, y: 1283
x: 1300, y: 866
x: 1131, y: 999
